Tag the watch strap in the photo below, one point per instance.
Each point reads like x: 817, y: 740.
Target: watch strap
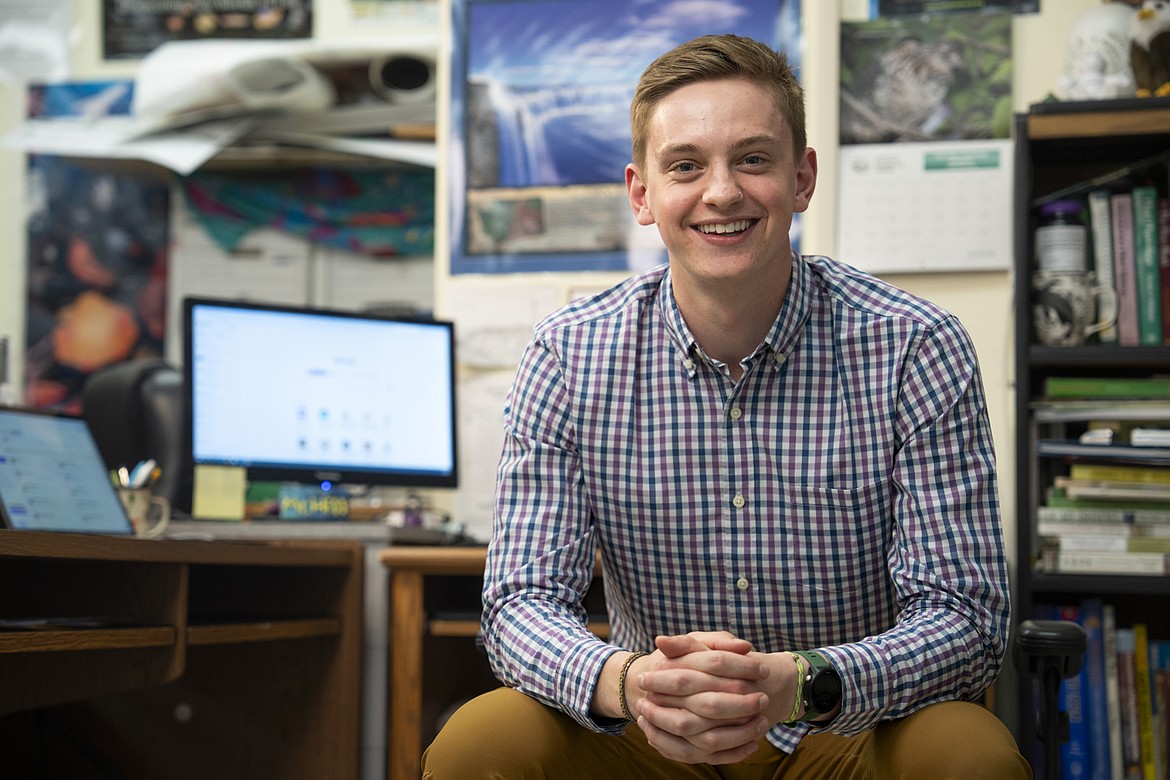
x: 816, y: 664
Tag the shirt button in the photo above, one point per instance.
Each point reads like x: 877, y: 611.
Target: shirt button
x: 742, y: 583
x: 736, y: 412
x: 738, y: 501
x: 688, y: 364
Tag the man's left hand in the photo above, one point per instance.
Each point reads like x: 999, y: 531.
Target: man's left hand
x: 706, y: 704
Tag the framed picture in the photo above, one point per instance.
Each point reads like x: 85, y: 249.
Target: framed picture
x: 540, y: 132
x: 132, y: 29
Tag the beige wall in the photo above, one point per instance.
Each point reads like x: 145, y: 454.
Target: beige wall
x: 980, y: 300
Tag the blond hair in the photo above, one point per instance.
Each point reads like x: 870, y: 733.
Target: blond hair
x: 709, y: 58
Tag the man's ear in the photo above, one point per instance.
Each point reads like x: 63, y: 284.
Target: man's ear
x: 636, y: 190
x: 806, y: 180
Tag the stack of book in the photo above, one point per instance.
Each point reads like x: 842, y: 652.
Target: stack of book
x: 1118, y: 703
x: 1104, y: 519
x: 1128, y: 217
x: 1110, y: 513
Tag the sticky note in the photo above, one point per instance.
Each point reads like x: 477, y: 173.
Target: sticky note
x: 218, y: 493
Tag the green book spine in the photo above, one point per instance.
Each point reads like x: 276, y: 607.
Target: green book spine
x: 1159, y: 475
x: 1146, y: 264
x: 1107, y: 387
x: 1057, y: 498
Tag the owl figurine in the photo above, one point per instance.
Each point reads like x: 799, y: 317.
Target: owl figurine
x: 1096, y: 64
x: 1149, y: 48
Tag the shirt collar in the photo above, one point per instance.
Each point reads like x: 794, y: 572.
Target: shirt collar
x: 794, y: 312
x: 782, y: 337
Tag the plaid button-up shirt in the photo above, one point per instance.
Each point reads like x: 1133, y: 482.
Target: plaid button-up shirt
x: 840, y: 496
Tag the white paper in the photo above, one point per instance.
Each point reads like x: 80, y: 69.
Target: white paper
x: 494, y: 324
x: 943, y: 206
x: 268, y: 266
x: 34, y: 39
x: 392, y: 15
x: 421, y: 153
x: 122, y: 137
x: 349, y: 280
x: 481, y: 439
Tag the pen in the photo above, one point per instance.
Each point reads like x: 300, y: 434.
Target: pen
x: 141, y: 473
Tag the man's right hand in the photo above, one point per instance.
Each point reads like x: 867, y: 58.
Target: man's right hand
x: 699, y: 698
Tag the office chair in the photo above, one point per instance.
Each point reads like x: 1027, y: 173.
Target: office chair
x: 137, y: 410
x: 1051, y: 650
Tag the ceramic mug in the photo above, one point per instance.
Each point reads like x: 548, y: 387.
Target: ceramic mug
x: 1068, y: 307
x: 148, y: 513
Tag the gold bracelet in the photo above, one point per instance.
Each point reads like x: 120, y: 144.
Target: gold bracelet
x: 622, y: 685
x: 799, y: 689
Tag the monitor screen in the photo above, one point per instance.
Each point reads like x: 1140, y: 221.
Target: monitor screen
x: 310, y: 395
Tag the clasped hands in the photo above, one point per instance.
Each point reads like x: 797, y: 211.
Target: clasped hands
x: 707, y: 697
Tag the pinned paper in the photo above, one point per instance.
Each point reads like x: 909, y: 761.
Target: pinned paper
x: 218, y: 493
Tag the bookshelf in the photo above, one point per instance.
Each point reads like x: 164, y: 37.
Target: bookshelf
x: 1066, y: 150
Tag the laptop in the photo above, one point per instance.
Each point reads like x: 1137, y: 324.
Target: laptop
x: 53, y: 478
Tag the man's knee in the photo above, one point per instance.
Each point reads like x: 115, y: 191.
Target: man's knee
x: 480, y: 739
x: 950, y: 740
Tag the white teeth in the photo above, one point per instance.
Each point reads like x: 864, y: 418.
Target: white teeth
x: 730, y: 227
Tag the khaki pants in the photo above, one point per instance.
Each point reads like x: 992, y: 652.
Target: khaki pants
x: 505, y: 735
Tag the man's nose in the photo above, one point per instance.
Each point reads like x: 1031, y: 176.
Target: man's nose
x: 722, y: 189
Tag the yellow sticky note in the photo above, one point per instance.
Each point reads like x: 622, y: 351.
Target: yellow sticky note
x: 218, y: 493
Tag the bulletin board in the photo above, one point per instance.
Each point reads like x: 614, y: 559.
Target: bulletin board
x: 540, y: 133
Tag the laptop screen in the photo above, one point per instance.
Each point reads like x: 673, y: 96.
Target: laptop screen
x: 52, y: 477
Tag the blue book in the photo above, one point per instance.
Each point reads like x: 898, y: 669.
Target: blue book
x: 1160, y: 685
x: 1074, y: 754
x: 1096, y: 706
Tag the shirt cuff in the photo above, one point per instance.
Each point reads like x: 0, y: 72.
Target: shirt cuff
x: 579, y: 676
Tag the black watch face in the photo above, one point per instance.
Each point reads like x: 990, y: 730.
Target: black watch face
x: 826, y: 690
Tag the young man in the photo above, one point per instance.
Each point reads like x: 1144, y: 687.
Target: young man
x: 787, y: 468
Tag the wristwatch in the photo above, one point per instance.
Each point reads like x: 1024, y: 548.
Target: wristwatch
x: 822, y: 687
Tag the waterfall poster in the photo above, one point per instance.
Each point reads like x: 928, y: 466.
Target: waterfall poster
x: 540, y: 133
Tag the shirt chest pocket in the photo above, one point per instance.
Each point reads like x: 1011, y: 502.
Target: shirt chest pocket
x: 839, y: 538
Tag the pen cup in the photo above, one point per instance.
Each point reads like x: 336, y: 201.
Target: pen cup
x: 148, y: 513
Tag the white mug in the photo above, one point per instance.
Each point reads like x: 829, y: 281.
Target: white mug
x: 1068, y: 307
x: 148, y: 513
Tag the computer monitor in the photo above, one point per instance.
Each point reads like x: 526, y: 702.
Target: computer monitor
x: 314, y: 396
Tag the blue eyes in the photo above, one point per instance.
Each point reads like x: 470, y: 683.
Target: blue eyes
x: 751, y: 160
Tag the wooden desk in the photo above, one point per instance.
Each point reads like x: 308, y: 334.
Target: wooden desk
x: 434, y: 596
x: 409, y: 569
x: 179, y: 659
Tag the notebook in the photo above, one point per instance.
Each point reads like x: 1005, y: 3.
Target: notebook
x: 53, y: 478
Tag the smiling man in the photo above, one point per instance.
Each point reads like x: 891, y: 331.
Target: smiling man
x: 787, y: 468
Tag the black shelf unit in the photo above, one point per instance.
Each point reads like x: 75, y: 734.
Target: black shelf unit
x: 1068, y: 150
